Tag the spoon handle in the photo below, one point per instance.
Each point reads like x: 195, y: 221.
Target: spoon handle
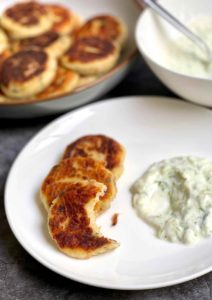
x: 179, y: 26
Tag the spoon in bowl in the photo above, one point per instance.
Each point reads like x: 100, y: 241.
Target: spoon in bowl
x: 156, y: 7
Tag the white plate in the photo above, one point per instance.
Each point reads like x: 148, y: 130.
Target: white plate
x: 151, y: 129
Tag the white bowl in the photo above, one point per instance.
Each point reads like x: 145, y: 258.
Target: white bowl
x: 129, y: 13
x: 152, y: 35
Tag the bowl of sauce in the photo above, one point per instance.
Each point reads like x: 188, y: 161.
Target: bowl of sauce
x: 174, y: 59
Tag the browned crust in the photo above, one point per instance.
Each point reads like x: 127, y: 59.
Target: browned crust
x: 53, y: 190
x: 26, y: 13
x: 89, y: 49
x: 23, y: 66
x: 39, y: 42
x: 69, y: 223
x: 81, y: 168
x: 99, y: 147
x: 103, y: 26
x: 63, y: 17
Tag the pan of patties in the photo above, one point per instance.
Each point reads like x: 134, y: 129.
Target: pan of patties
x: 78, y: 53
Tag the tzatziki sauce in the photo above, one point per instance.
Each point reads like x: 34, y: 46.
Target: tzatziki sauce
x: 183, y: 56
x: 175, y: 197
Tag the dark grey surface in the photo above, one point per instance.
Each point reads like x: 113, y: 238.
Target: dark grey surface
x: 22, y: 277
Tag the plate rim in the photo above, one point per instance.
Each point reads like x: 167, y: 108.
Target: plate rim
x: 50, y: 266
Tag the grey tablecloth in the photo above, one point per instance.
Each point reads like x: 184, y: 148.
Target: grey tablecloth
x: 22, y: 277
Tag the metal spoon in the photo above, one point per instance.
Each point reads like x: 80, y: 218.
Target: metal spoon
x: 179, y: 26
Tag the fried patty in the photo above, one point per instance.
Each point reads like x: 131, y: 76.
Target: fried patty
x: 90, y: 56
x: 100, y: 148
x: 71, y: 221
x: 26, y: 19
x: 89, y: 49
x: 105, y: 27
x: 40, y: 42
x: 26, y: 13
x: 50, y: 41
x: 65, y: 81
x: 78, y: 168
x: 27, y: 73
x: 23, y: 66
x: 64, y: 21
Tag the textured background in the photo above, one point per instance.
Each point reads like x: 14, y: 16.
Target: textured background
x: 22, y: 277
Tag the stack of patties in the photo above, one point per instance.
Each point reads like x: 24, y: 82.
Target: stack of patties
x: 80, y: 188
x: 39, y: 35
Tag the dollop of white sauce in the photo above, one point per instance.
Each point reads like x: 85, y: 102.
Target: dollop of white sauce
x: 175, y: 197
x: 183, y: 56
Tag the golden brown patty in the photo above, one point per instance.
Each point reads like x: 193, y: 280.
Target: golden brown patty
x: 78, y: 168
x: 50, y: 41
x: 64, y: 20
x: 26, y: 73
x: 26, y: 19
x: 39, y: 42
x: 100, y: 148
x: 105, y: 27
x: 72, y: 221
x: 90, y: 56
x: 26, y: 13
x: 64, y: 82
x: 23, y: 66
x: 89, y: 49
